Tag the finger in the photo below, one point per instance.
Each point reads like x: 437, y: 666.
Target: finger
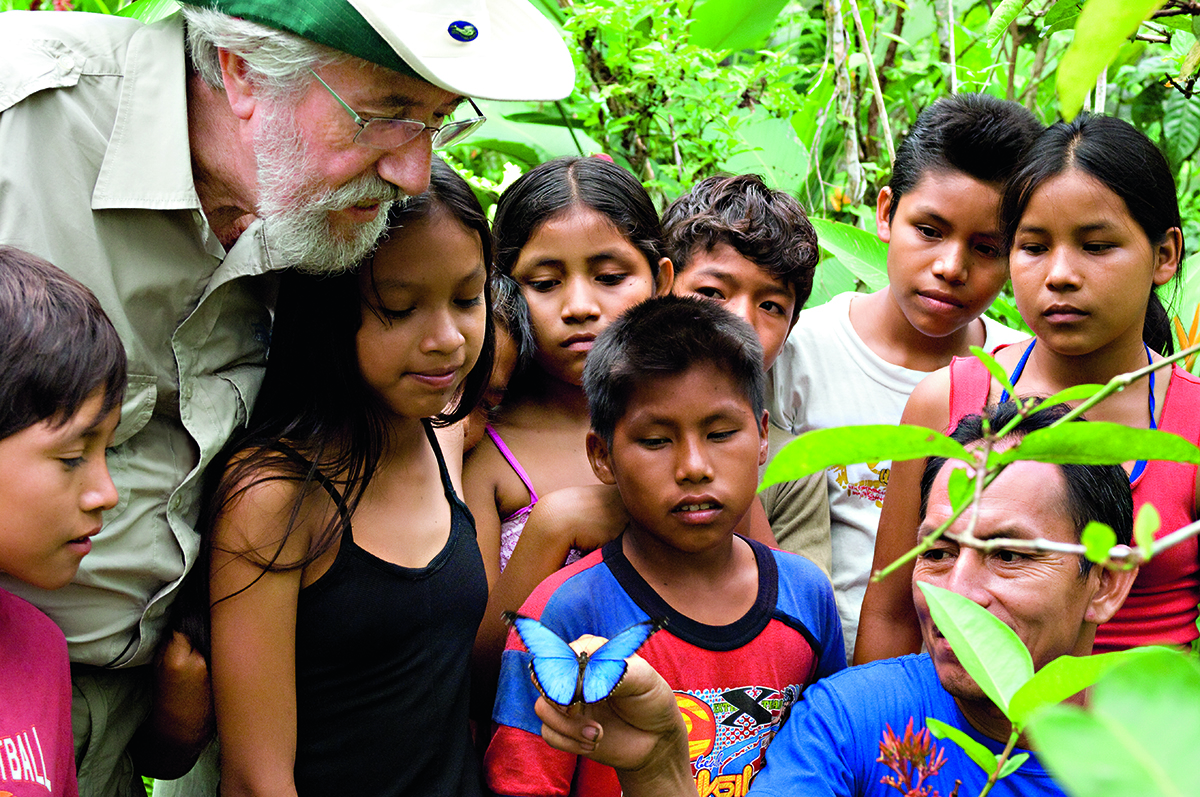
x: 566, y: 730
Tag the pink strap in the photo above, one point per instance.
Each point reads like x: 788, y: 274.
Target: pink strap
x: 969, y: 386
x: 512, y: 461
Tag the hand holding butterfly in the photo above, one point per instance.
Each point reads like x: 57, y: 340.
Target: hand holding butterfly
x: 638, y: 730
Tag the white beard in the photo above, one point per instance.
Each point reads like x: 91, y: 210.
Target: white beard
x: 296, y: 222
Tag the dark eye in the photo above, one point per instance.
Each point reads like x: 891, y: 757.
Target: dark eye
x: 932, y: 233
x: 467, y: 304
x: 611, y: 278
x: 936, y: 555
x: 542, y: 285
x: 1032, y: 249
x: 722, y: 435
x: 711, y: 293
x: 1008, y: 556
x: 988, y: 250
x: 395, y: 315
x: 653, y: 442
x: 774, y: 308
x: 71, y: 463
x: 1098, y: 248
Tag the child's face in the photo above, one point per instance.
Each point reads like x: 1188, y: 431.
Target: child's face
x: 578, y: 273
x: 503, y: 364
x: 944, y: 263
x: 745, y: 289
x: 1082, y: 267
x: 422, y: 334
x: 685, y: 457
x: 54, y: 486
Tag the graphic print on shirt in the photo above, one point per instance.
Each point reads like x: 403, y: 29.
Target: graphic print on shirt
x: 729, y: 731
x: 22, y: 760
x: 867, y: 489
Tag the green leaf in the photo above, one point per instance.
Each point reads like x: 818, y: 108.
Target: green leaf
x: 1103, y: 27
x: 733, y: 24
x: 1062, y: 678
x: 830, y: 279
x: 1002, y: 17
x: 1073, y: 393
x: 1138, y: 737
x: 1062, y: 16
x: 1100, y: 443
x: 1012, y: 765
x: 1181, y: 127
x: 988, y: 650
x: 995, y: 369
x: 1145, y: 526
x: 983, y: 757
x: 149, y: 11
x: 858, y: 250
x: 1098, y: 538
x: 961, y: 488
x: 771, y: 150
x: 819, y: 449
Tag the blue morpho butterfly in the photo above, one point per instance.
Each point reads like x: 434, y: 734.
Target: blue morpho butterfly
x: 566, y: 677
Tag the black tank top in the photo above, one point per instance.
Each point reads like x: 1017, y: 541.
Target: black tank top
x: 382, y: 667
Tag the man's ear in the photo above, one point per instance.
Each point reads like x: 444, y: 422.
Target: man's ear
x: 598, y: 455
x: 239, y: 88
x: 1110, y: 594
x: 665, y: 278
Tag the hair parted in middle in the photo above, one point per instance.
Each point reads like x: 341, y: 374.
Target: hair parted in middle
x: 765, y: 226
x: 665, y: 336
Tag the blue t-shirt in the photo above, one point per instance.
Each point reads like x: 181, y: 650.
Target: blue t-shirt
x: 830, y: 743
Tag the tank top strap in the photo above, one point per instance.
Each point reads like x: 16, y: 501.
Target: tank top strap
x: 447, y: 485
x: 320, y: 478
x: 511, y: 459
x: 969, y: 386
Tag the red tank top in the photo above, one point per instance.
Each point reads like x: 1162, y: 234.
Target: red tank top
x: 1162, y: 606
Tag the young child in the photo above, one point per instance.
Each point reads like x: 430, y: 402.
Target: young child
x: 581, y: 240
x: 675, y: 389
x: 63, y: 370
x: 346, y: 582
x: 737, y: 242
x: 1093, y: 225
x: 856, y: 359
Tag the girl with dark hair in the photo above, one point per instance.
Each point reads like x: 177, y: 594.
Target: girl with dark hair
x: 580, y: 241
x: 346, y: 582
x: 1093, y: 228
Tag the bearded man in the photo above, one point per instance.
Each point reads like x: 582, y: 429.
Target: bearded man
x: 175, y: 168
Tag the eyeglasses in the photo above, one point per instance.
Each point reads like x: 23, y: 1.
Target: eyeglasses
x: 384, y: 133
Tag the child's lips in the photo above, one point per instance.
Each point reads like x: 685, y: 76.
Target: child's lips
x: 579, y: 343
x: 940, y: 299
x: 697, y: 510
x: 1063, y: 313
x: 438, y: 378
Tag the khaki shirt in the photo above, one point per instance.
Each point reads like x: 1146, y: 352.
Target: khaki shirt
x: 95, y: 176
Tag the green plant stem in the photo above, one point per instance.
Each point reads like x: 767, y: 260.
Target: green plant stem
x: 1000, y: 762
x: 876, y: 91
x: 563, y: 113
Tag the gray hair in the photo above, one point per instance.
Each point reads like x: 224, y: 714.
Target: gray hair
x: 278, y: 61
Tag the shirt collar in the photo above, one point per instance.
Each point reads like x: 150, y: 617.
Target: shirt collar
x: 148, y: 164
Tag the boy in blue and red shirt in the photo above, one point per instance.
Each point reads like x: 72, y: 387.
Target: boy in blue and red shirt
x: 675, y: 390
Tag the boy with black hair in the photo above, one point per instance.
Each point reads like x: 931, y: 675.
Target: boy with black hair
x: 753, y: 250
x: 675, y: 389
x: 856, y: 359
x: 63, y: 370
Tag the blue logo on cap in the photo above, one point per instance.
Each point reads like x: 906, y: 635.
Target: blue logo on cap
x: 463, y: 31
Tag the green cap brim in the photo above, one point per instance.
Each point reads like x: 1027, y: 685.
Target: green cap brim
x: 333, y: 23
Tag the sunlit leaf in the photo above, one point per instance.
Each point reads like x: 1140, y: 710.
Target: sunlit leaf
x: 983, y: 757
x: 961, y: 488
x: 1073, y: 393
x: 1098, y: 538
x: 772, y: 150
x: 988, y: 650
x: 1002, y: 17
x: 1145, y: 526
x: 858, y: 250
x: 1103, y: 27
x: 1062, y: 678
x: 819, y: 449
x: 1100, y: 443
x: 1139, y: 735
x: 733, y: 24
x: 1012, y: 765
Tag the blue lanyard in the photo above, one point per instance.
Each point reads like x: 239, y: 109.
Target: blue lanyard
x: 1138, y: 466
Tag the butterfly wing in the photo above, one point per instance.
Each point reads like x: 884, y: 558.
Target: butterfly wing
x: 606, y: 667
x: 555, y: 666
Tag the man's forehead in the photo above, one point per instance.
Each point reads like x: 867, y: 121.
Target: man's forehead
x: 1020, y: 502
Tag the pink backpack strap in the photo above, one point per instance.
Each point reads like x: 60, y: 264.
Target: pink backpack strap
x: 969, y: 386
